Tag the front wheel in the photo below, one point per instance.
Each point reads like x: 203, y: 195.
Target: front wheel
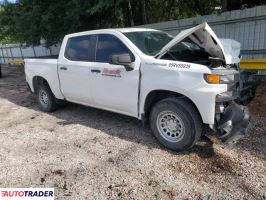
x: 175, y: 123
x: 46, y: 99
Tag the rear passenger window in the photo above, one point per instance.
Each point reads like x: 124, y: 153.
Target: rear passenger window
x: 109, y: 45
x: 81, y: 48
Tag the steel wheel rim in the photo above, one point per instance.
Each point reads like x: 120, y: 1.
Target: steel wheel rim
x: 43, y: 97
x: 170, y: 126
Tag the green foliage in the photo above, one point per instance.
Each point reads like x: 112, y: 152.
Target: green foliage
x: 240, y: 4
x: 29, y: 21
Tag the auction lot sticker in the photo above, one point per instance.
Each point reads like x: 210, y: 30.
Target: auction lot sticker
x: 26, y: 193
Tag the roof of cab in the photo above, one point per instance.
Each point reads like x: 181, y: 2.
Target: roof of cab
x: 126, y: 30
x: 122, y: 30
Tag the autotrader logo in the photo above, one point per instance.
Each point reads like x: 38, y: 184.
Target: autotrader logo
x: 27, y: 193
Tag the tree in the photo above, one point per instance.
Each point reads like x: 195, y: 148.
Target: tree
x: 240, y: 4
x: 29, y: 21
x: 6, y: 24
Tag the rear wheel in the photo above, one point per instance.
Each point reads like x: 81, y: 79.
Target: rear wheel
x: 176, y: 123
x: 46, y: 99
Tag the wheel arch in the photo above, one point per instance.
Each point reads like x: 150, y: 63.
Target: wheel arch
x: 38, y: 80
x: 155, y: 96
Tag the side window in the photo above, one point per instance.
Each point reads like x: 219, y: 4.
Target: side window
x: 109, y: 45
x: 81, y: 48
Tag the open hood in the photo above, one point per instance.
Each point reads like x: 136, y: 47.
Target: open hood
x: 204, y: 36
x: 231, y: 50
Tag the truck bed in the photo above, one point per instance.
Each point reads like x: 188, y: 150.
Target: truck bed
x: 43, y: 68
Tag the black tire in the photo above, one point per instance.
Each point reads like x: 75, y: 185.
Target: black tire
x: 186, y: 118
x: 49, y: 105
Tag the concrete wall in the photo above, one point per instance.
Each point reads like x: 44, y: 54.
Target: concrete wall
x: 247, y: 26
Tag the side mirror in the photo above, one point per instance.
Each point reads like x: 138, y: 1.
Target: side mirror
x: 122, y: 59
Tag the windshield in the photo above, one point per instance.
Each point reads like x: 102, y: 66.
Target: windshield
x: 149, y: 42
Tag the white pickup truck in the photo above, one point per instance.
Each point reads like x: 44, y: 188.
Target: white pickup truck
x: 177, y: 84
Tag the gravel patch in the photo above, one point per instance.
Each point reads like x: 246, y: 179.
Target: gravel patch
x: 86, y: 153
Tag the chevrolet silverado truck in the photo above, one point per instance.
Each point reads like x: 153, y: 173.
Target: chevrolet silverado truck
x: 176, y: 84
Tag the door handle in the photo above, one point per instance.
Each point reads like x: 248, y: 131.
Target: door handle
x: 96, y: 71
x: 63, y: 68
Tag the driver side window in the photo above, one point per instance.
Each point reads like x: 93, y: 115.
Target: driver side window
x: 109, y: 45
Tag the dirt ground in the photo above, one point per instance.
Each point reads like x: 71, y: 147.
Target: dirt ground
x: 85, y: 153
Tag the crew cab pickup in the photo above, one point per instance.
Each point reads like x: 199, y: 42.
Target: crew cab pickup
x: 176, y: 84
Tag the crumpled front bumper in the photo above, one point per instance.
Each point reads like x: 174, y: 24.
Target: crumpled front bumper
x: 232, y: 124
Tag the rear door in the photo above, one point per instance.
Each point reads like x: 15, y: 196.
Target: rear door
x: 74, y: 68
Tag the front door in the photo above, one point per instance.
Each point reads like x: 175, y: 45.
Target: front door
x: 114, y: 88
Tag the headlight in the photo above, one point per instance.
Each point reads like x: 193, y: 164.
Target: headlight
x: 218, y: 79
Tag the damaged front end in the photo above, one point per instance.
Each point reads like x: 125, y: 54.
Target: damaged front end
x: 232, y: 124
x: 200, y: 45
x: 232, y: 114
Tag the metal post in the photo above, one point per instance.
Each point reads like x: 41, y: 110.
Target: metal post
x: 10, y: 48
x: 49, y: 48
x: 2, y: 59
x: 21, y: 52
x: 3, y: 55
x: 34, y: 51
